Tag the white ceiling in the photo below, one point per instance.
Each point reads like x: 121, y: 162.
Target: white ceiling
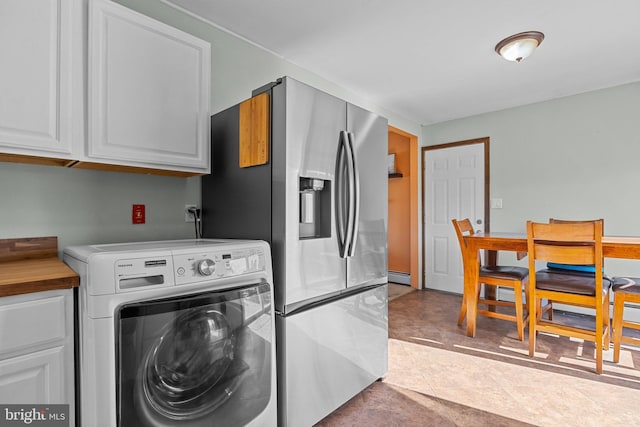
x: 434, y: 60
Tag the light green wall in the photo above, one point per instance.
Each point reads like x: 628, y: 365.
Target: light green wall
x: 84, y: 207
x: 574, y: 158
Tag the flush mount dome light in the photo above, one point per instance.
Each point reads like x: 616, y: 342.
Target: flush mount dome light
x: 519, y: 46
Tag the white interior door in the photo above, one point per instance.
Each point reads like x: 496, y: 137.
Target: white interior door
x: 454, y: 188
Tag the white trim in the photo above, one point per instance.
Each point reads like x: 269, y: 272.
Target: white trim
x: 220, y: 27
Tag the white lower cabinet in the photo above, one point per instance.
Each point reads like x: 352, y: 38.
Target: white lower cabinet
x: 35, y: 378
x: 36, y: 349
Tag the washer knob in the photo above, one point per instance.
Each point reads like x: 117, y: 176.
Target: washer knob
x: 206, y: 267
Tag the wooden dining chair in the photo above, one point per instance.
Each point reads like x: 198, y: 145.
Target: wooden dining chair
x: 577, y: 243
x: 566, y: 268
x: 625, y: 289
x: 496, y: 276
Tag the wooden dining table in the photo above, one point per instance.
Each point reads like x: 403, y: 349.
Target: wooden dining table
x: 612, y: 247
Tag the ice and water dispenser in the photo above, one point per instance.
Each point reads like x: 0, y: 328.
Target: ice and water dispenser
x: 315, y: 208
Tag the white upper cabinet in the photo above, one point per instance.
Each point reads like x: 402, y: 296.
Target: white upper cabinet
x: 92, y: 84
x: 148, y: 100
x: 36, y: 77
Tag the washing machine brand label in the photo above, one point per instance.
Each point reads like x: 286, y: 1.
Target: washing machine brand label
x: 35, y: 415
x: 125, y: 265
x: 155, y: 263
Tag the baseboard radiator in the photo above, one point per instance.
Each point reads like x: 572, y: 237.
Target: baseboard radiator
x: 399, y: 277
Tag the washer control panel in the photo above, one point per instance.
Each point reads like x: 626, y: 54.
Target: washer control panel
x: 135, y: 273
x: 217, y: 264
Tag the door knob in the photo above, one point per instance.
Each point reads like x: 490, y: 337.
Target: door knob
x: 479, y: 221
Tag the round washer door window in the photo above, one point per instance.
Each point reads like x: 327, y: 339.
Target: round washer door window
x: 187, y: 361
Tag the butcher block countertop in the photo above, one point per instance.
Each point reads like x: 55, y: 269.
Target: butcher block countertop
x: 32, y: 265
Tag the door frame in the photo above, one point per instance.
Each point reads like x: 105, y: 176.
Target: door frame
x: 413, y: 204
x: 487, y: 173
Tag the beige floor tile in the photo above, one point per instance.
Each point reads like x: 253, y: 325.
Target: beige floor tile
x: 440, y: 377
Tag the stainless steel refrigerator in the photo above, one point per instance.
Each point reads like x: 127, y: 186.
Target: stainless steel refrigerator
x: 320, y: 200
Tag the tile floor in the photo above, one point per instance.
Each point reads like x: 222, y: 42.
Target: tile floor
x: 440, y: 377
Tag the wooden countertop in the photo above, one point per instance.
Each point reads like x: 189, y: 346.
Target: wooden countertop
x: 32, y: 265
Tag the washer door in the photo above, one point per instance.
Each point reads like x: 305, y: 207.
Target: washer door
x: 191, y: 356
x: 195, y: 360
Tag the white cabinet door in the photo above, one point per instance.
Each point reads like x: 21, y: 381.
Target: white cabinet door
x: 36, y: 349
x: 35, y: 77
x: 35, y: 378
x: 148, y: 92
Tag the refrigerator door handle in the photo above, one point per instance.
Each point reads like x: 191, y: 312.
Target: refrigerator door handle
x: 354, y: 197
x: 352, y: 219
x: 340, y: 196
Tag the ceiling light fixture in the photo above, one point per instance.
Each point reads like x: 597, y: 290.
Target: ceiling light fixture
x: 519, y: 46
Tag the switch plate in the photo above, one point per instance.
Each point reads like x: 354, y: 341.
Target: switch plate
x: 138, y: 214
x: 496, y: 203
x: 188, y: 216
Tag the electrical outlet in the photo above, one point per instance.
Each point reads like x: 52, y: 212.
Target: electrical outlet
x: 188, y: 216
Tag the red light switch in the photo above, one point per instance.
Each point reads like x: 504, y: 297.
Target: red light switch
x: 137, y: 214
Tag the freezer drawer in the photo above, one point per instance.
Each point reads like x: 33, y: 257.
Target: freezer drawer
x: 328, y: 354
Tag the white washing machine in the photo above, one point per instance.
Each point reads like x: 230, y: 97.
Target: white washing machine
x: 175, y: 333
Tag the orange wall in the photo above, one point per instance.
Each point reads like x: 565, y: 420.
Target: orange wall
x: 399, y: 207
